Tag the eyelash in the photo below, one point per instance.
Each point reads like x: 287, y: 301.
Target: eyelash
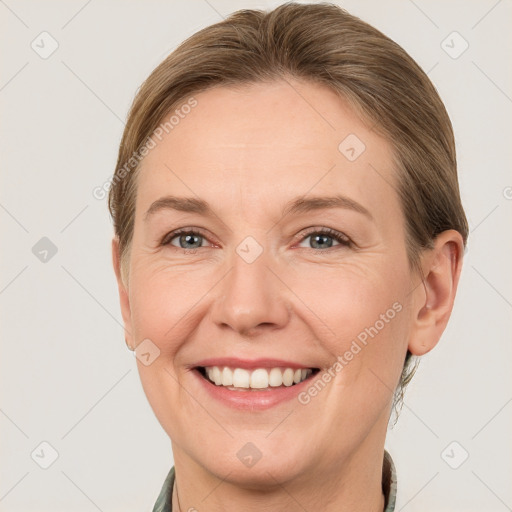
x: 343, y: 240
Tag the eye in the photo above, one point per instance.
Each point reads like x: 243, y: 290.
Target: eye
x: 186, y: 239
x: 323, y: 238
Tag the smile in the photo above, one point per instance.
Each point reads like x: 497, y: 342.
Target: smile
x: 241, y: 379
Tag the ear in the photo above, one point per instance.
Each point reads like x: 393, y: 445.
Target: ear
x: 124, y: 297
x: 434, y: 299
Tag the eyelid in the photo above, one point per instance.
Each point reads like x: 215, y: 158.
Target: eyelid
x: 166, y: 240
x: 322, y: 230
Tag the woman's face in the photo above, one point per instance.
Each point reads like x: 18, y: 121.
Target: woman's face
x: 253, y: 283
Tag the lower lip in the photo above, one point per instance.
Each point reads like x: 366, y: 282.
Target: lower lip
x: 252, y: 399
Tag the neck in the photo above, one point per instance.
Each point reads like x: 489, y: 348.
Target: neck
x: 354, y: 485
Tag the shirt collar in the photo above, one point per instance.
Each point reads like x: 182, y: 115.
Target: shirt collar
x: 389, y: 482
x: 389, y: 487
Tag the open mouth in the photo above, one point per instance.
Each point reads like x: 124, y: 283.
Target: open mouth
x: 262, y: 379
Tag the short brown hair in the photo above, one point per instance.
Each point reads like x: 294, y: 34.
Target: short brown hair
x: 324, y: 44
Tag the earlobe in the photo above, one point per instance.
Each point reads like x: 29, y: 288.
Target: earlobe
x: 433, y: 301
x: 124, y: 297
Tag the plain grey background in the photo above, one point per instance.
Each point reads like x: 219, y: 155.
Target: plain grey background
x: 67, y: 378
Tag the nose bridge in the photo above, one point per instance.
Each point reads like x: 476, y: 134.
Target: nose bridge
x: 252, y: 296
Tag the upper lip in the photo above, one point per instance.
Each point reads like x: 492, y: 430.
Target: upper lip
x: 250, y: 364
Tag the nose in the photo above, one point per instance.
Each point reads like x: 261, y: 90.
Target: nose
x: 251, y: 298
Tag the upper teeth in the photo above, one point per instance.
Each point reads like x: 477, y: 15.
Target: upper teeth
x: 259, y: 378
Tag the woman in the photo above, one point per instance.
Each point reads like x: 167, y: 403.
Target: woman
x: 288, y: 235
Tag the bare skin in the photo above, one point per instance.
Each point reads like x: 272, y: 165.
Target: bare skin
x: 248, y: 152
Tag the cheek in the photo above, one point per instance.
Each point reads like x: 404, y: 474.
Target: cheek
x: 352, y: 296
x: 163, y: 301
x: 360, y: 316
x: 165, y: 307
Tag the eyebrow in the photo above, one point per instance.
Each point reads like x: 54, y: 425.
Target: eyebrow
x: 301, y: 204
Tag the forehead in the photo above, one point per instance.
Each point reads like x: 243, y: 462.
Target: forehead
x: 269, y: 142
